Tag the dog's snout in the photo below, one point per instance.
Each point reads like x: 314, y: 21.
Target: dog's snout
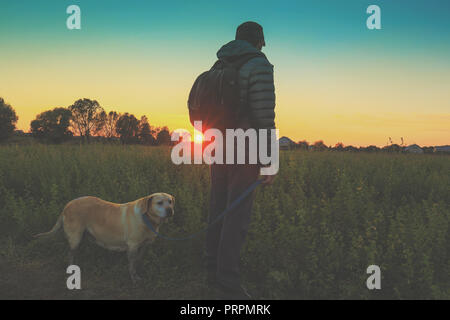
x: 169, y: 212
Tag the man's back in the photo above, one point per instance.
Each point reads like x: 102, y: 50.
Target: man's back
x: 257, y: 90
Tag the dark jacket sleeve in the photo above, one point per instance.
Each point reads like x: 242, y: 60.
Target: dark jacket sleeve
x: 261, y: 94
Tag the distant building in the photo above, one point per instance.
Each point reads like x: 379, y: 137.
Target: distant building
x: 442, y: 149
x: 428, y: 149
x: 414, y: 148
x: 286, y: 143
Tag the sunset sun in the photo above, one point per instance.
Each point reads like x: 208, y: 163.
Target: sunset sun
x: 198, y: 138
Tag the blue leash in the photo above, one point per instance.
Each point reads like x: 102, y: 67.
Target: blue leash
x: 227, y: 210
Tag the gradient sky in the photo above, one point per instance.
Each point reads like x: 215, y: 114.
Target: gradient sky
x: 335, y: 79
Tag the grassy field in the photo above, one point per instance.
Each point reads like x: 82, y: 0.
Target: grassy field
x: 314, y: 232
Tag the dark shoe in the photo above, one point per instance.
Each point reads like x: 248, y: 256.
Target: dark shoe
x: 226, y: 293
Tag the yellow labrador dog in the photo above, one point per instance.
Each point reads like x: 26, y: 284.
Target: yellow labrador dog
x: 114, y: 226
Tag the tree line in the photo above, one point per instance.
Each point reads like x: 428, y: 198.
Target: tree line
x: 321, y: 146
x: 86, y: 119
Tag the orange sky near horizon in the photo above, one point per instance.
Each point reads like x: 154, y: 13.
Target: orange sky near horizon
x: 352, y: 129
x: 327, y: 103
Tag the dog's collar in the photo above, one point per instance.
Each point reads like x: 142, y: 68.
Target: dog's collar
x: 148, y: 223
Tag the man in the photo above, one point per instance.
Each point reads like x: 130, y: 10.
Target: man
x: 228, y: 181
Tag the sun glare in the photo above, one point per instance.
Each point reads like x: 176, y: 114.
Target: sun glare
x: 198, y: 137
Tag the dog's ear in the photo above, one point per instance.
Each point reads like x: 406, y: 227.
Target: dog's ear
x: 173, y: 201
x: 145, y: 204
x: 148, y: 202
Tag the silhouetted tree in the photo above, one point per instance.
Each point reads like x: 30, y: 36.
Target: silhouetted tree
x: 99, y: 124
x: 86, y: 117
x: 110, y: 124
x: 339, y: 146
x: 351, y: 149
x: 319, y: 146
x: 106, y: 125
x: 146, y: 132
x: 163, y: 137
x: 8, y: 120
x: 370, y: 148
x: 52, y: 125
x: 127, y: 127
x: 303, y: 145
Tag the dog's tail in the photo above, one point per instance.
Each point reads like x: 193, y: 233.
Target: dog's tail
x: 55, y: 228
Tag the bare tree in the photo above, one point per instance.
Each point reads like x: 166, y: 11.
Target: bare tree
x: 109, y: 124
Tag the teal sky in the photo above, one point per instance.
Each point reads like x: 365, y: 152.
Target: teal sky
x: 314, y: 45
x: 409, y: 26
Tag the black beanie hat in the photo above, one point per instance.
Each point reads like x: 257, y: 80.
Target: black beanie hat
x: 251, y: 32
